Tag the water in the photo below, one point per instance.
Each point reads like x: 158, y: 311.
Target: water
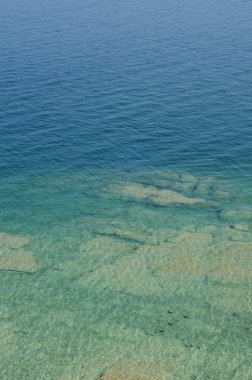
x: 126, y: 207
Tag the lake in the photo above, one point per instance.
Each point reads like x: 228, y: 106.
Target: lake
x: 126, y: 203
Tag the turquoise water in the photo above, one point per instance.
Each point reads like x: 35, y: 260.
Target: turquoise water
x: 126, y: 206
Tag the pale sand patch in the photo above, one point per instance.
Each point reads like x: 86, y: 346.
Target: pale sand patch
x: 119, y: 369
x: 137, y: 371
x: 108, y: 352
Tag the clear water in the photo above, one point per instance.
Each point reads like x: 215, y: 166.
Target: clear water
x: 125, y: 161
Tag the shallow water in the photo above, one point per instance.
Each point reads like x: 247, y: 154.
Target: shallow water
x: 124, y: 279
x: 126, y: 206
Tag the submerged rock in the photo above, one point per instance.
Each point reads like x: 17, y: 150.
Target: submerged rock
x: 137, y: 233
x: 129, y: 274
x: 13, y: 257
x: 186, y: 183
x: 12, y: 241
x: 231, y: 261
x: 125, y: 233
x: 186, y: 255
x: 233, y: 232
x: 134, y: 234
x: 204, y: 187
x: 241, y: 227
x: 144, y: 269
x: 105, y: 247
x: 18, y: 261
x: 232, y: 272
x: 221, y: 194
x: 209, y: 229
x: 243, y: 214
x: 235, y: 250
x: 150, y: 194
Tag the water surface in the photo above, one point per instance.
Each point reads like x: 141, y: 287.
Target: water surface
x: 126, y: 207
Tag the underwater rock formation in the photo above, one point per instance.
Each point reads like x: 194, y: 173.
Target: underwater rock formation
x: 130, y: 275
x: 239, y: 214
x: 19, y: 261
x: 13, y: 257
x: 12, y: 241
x: 152, y: 195
x: 186, y: 183
x: 186, y: 254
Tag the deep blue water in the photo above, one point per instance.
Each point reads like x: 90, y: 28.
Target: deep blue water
x: 125, y: 190
x: 121, y: 84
